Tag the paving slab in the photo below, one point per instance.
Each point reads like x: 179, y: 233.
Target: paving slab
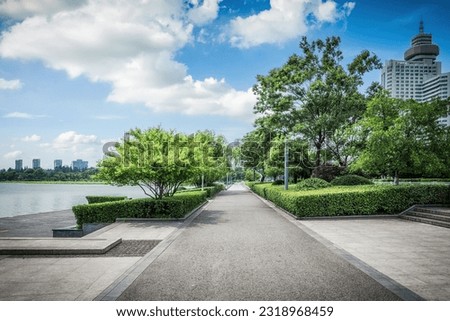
x: 413, y: 254
x: 52, y: 246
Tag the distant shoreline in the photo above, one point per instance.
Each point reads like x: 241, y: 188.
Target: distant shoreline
x: 56, y: 182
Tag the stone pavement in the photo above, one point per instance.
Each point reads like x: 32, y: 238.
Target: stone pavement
x: 240, y: 247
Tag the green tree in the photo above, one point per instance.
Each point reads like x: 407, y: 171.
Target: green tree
x: 210, y: 156
x: 156, y: 160
x: 403, y: 137
x: 313, y: 94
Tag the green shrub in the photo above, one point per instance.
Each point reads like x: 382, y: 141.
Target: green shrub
x: 354, y: 200
x: 278, y: 182
x: 349, y: 180
x: 170, y: 207
x: 312, y: 184
x: 327, y: 172
x: 103, y: 199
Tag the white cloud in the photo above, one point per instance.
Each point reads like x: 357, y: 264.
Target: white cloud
x: 19, y: 9
x: 132, y: 46
x: 17, y: 114
x: 21, y: 115
x: 13, y: 154
x: 285, y: 20
x: 204, y: 12
x: 32, y: 138
x: 72, y: 140
x: 10, y: 84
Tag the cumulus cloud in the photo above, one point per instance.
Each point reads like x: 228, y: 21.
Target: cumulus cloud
x: 72, y: 140
x: 285, y: 20
x: 10, y: 84
x: 132, y: 46
x: 203, y: 11
x: 13, y: 154
x: 32, y: 138
x: 19, y: 9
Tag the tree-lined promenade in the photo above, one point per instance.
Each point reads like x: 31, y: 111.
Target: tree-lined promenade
x: 312, y: 120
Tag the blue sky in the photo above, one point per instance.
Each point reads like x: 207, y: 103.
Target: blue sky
x: 75, y: 74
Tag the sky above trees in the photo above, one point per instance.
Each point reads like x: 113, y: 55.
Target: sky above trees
x: 77, y: 74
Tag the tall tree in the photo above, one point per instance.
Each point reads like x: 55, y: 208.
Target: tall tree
x: 403, y: 137
x: 313, y: 94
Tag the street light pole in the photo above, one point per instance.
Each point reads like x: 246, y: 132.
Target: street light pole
x: 286, y: 157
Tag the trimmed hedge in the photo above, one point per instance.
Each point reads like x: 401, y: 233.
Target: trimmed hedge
x: 171, y: 207
x: 360, y: 200
x: 211, y: 191
x: 104, y: 199
x: 351, y: 180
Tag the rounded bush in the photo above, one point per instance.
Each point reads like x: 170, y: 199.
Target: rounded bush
x: 347, y: 180
x: 311, y: 184
x: 278, y: 182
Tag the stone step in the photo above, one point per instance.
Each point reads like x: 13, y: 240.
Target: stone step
x: 433, y: 216
x: 434, y: 210
x: 426, y: 220
x: 55, y: 246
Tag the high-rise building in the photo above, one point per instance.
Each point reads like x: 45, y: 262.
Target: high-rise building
x: 419, y: 76
x: 19, y: 165
x: 36, y: 163
x: 79, y: 165
x: 57, y: 164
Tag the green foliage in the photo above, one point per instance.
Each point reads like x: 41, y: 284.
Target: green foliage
x: 278, y: 182
x: 354, y: 200
x: 404, y: 138
x: 158, y: 161
x: 63, y: 174
x: 170, y: 207
x: 103, y: 199
x: 210, y: 191
x: 327, y: 172
x: 351, y: 180
x: 311, y: 184
x: 314, y: 95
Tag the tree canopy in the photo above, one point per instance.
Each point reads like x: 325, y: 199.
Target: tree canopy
x: 159, y: 161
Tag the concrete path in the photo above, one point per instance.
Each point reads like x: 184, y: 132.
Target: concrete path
x: 241, y: 249
x: 413, y: 254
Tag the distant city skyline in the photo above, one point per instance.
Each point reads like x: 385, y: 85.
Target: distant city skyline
x: 35, y: 163
x: 75, y: 75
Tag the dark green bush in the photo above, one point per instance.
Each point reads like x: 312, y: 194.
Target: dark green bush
x: 327, y: 172
x: 351, y: 180
x: 103, y: 199
x: 171, y: 207
x: 278, y: 182
x: 311, y: 184
x: 360, y: 200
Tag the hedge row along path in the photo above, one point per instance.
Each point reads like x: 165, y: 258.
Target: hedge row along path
x: 239, y: 248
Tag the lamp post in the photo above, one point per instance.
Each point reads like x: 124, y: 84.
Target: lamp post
x: 286, y: 162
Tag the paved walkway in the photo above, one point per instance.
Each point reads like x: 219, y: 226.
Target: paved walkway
x: 241, y: 248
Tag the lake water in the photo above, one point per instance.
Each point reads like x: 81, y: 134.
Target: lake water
x: 19, y: 199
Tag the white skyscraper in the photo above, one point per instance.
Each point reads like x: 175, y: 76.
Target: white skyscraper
x: 419, y: 76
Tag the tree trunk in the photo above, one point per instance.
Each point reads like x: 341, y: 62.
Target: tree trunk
x: 396, y: 180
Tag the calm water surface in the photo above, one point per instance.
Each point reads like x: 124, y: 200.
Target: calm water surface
x: 20, y: 199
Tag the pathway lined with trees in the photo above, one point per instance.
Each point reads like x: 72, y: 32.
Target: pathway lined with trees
x: 239, y: 248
